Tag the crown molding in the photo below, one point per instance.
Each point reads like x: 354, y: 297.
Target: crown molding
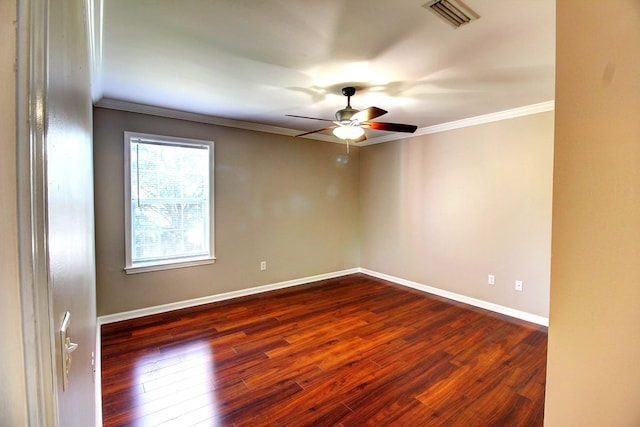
x: 471, y: 121
x: 132, y: 107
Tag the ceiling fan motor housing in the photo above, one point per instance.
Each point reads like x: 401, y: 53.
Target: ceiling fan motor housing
x: 345, y: 115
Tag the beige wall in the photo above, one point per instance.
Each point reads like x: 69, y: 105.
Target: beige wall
x: 279, y: 199
x: 593, y: 376
x: 13, y: 408
x: 447, y: 209
x: 418, y: 209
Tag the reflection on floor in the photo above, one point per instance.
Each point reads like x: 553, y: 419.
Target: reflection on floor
x: 351, y: 351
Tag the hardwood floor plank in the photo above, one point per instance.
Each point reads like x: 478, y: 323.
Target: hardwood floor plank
x: 351, y: 351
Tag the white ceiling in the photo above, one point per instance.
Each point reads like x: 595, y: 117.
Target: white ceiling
x: 255, y: 61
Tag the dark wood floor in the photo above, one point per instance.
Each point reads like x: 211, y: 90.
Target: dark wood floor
x: 352, y: 351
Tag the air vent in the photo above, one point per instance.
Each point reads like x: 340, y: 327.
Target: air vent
x: 454, y: 12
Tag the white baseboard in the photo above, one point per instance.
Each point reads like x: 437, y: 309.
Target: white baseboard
x: 127, y: 315
x: 533, y: 318
x: 518, y: 314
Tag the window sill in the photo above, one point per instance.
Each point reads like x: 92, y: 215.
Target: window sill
x: 145, y: 268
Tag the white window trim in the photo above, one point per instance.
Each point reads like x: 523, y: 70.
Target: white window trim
x: 172, y: 263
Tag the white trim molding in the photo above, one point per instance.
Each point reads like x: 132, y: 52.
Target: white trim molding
x: 95, y: 11
x: 471, y: 121
x: 132, y: 107
x: 133, y: 314
x: 97, y: 376
x: 511, y: 312
x: 31, y: 104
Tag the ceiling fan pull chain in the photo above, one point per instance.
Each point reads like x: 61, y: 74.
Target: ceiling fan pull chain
x: 348, y: 141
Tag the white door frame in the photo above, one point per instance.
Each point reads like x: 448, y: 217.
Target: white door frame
x: 37, y: 325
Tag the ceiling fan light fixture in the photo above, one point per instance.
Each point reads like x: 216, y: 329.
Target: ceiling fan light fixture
x: 348, y: 132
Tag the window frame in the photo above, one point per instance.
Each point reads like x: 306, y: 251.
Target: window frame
x: 171, y: 262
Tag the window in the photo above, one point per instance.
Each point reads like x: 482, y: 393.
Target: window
x: 168, y: 202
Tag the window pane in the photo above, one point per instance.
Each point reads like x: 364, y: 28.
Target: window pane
x: 169, y: 201
x: 168, y: 230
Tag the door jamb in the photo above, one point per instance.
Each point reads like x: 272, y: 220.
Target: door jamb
x: 37, y: 322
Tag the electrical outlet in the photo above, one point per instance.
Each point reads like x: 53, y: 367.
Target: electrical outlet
x: 519, y: 285
x: 263, y: 265
x: 491, y: 279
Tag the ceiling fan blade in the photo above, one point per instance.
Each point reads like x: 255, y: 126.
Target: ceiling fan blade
x: 305, y: 117
x: 317, y: 130
x: 392, y: 127
x: 368, y: 114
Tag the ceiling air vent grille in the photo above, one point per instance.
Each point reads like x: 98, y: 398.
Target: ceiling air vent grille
x: 453, y: 12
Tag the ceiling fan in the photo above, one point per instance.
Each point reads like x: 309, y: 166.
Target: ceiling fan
x: 350, y: 123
